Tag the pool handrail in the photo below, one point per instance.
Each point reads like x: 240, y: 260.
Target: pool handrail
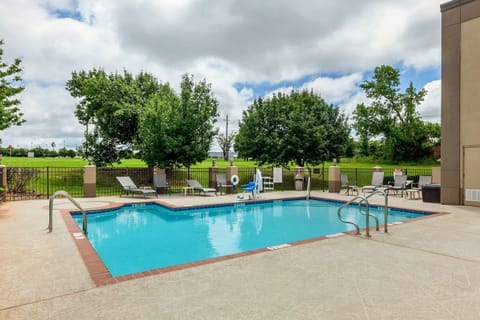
x: 367, y: 215
x: 308, y: 189
x: 69, y: 197
x: 377, y: 224
x: 385, y: 194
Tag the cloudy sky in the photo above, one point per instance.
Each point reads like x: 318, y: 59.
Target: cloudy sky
x: 244, y: 48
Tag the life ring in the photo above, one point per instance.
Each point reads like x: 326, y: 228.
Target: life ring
x: 234, y: 179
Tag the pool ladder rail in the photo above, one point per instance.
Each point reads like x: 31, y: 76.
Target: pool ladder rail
x: 69, y: 197
x: 364, y: 201
x: 308, y: 189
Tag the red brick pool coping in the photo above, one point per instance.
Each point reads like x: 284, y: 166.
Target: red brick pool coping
x: 101, y: 276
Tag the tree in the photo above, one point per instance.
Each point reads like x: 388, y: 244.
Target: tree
x: 109, y: 108
x: 177, y: 130
x: 10, y: 86
x: 64, y: 152
x: 392, y: 117
x: 157, y: 130
x: 226, y: 143
x: 300, y: 127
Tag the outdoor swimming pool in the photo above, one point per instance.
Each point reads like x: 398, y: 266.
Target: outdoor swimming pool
x: 141, y: 237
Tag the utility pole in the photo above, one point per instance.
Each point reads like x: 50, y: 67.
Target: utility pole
x: 226, y: 137
x: 227, y: 145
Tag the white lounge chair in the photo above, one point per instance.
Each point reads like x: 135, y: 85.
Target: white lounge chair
x: 416, y: 191
x: 196, y: 186
x: 399, y: 184
x: 129, y: 187
x: 377, y: 182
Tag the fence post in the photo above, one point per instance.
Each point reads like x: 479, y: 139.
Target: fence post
x: 334, y: 179
x: 212, y: 178
x: 323, y: 176
x: 231, y: 171
x: 3, y: 182
x: 90, y: 181
x: 48, y: 182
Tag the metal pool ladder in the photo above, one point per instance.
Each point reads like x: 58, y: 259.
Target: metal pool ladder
x: 367, y: 212
x: 385, y: 195
x: 69, y: 197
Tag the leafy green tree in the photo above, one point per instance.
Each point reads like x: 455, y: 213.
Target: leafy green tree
x: 39, y: 152
x: 19, y: 152
x: 157, y: 130
x: 177, y: 130
x: 10, y: 86
x: 300, y: 128
x: 226, y: 143
x: 109, y: 108
x: 349, y: 148
x: 64, y: 152
x: 392, y: 119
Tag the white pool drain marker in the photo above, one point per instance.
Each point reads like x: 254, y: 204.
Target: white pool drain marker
x: 280, y: 246
x: 335, y: 235
x: 78, y: 235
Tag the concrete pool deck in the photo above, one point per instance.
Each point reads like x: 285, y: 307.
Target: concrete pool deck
x: 426, y: 269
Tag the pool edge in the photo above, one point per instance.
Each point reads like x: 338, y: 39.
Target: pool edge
x: 101, y: 276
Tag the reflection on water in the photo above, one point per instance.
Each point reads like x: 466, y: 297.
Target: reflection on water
x: 224, y: 232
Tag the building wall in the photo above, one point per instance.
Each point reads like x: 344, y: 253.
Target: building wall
x: 470, y: 107
x: 460, y: 100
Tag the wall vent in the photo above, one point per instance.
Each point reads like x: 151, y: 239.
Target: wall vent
x: 472, y: 195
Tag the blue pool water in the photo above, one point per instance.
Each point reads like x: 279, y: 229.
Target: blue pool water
x: 137, y: 238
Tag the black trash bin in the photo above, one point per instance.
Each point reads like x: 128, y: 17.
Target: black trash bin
x: 431, y: 193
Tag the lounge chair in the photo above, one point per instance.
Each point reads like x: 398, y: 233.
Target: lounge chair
x: 129, y: 187
x: 346, y: 185
x: 196, y: 186
x: 416, y: 191
x: 160, y: 182
x: 222, y: 182
x: 377, y: 182
x: 399, y: 184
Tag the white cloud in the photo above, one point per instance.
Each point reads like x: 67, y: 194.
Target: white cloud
x: 227, y: 42
x: 349, y: 106
x: 335, y: 90
x: 49, y: 115
x: 430, y: 107
x: 340, y: 91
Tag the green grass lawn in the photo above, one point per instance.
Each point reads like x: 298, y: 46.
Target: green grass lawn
x: 344, y: 163
x: 220, y: 163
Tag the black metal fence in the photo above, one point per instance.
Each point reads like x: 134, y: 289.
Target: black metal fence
x: 42, y: 182
x: 3, y: 188
x: 363, y: 176
x: 177, y: 178
x: 107, y: 184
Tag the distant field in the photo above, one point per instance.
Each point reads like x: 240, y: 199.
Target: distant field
x: 220, y: 163
x: 63, y: 162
